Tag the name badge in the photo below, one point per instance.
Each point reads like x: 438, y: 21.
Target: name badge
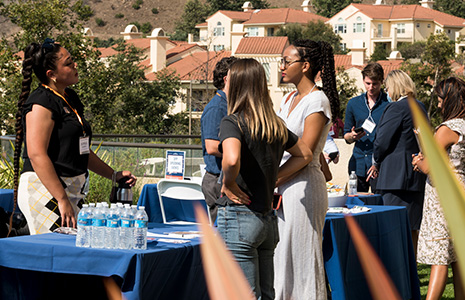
x: 84, y: 145
x: 369, y: 125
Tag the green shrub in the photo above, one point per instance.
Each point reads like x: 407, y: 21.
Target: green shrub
x: 146, y: 27
x: 119, y: 16
x: 100, y: 22
x: 155, y: 11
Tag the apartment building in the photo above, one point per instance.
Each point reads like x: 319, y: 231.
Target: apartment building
x: 366, y: 25
x: 224, y: 29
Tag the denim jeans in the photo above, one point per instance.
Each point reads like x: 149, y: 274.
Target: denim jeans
x: 252, y: 238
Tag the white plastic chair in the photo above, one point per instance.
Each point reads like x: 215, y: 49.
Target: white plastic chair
x: 177, y: 198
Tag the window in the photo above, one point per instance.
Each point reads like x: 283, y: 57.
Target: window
x: 359, y: 26
x: 343, y: 46
x: 270, y: 32
x: 218, y: 30
x: 429, y: 25
x: 449, y: 31
x: 266, y: 66
x: 218, y: 47
x: 380, y: 30
x: 401, y: 28
x: 438, y: 30
x: 418, y: 25
x: 252, y: 31
x: 340, y: 28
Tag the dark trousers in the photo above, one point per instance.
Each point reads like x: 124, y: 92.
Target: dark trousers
x: 363, y: 185
x: 211, y: 189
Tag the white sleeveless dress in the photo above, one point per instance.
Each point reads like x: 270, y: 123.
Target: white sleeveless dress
x: 298, y: 259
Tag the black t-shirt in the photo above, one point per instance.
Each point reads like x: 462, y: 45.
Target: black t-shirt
x: 259, y: 164
x: 63, y: 148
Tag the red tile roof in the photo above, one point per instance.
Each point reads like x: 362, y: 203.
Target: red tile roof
x: 143, y: 44
x: 235, y: 15
x: 282, y: 16
x: 262, y: 45
x: 416, y: 12
x: 345, y: 60
x: 194, y: 66
x: 179, y: 49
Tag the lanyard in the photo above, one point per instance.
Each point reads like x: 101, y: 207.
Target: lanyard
x: 72, y: 108
x: 369, y: 110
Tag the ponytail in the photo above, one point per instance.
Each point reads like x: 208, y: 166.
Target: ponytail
x: 328, y: 76
x: 321, y: 59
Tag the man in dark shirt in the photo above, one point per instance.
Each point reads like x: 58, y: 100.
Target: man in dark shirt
x: 364, y: 111
x: 210, y: 121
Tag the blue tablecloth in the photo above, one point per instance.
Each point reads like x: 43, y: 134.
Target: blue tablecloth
x: 375, y: 199
x: 149, y: 198
x: 6, y: 199
x: 387, y: 228
x: 163, y: 271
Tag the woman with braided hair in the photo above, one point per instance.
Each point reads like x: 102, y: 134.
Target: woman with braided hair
x: 57, y: 152
x: 299, y: 269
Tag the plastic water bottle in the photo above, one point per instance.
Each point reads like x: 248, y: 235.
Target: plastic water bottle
x: 126, y: 236
x: 84, y: 227
x: 112, y: 228
x: 140, y: 229
x: 98, y: 227
x: 353, y: 183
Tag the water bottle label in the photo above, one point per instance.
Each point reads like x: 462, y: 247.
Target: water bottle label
x: 112, y: 223
x: 98, y: 222
x: 127, y: 223
x: 141, y: 224
x: 84, y: 222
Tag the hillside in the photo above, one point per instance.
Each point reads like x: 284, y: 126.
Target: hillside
x: 169, y: 11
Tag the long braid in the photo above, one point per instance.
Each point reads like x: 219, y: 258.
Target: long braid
x: 321, y: 59
x: 328, y: 76
x: 28, y: 62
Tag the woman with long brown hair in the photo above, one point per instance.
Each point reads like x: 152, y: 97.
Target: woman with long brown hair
x: 308, y: 113
x: 252, y: 140
x: 57, y: 152
x: 435, y: 245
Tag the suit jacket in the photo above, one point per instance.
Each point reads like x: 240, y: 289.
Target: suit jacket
x: 394, y: 145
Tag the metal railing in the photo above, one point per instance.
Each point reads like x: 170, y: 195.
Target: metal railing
x: 144, y: 155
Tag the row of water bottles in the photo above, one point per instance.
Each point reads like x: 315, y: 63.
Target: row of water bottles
x: 114, y: 227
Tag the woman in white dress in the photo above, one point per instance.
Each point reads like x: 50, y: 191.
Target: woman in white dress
x: 299, y: 268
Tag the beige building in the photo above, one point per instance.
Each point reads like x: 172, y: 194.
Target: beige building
x: 366, y: 25
x: 224, y: 29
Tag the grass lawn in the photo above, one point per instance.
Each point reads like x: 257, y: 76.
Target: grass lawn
x: 423, y: 274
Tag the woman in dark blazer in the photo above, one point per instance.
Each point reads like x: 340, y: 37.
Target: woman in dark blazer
x: 394, y: 145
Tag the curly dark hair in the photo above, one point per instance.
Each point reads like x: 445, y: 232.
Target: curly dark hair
x: 321, y: 59
x: 39, y: 59
x: 221, y: 70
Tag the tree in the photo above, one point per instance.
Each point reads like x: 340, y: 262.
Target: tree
x: 414, y: 50
x: 115, y: 93
x: 456, y: 8
x: 347, y: 89
x: 328, y: 8
x: 379, y: 53
x: 317, y: 31
x: 194, y: 13
x: 216, y: 5
x: 434, y: 67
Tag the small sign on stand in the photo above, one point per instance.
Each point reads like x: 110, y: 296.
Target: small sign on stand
x: 175, y: 164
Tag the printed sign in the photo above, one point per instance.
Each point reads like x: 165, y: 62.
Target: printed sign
x: 175, y: 164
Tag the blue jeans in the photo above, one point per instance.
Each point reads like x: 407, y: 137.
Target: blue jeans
x: 252, y: 238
